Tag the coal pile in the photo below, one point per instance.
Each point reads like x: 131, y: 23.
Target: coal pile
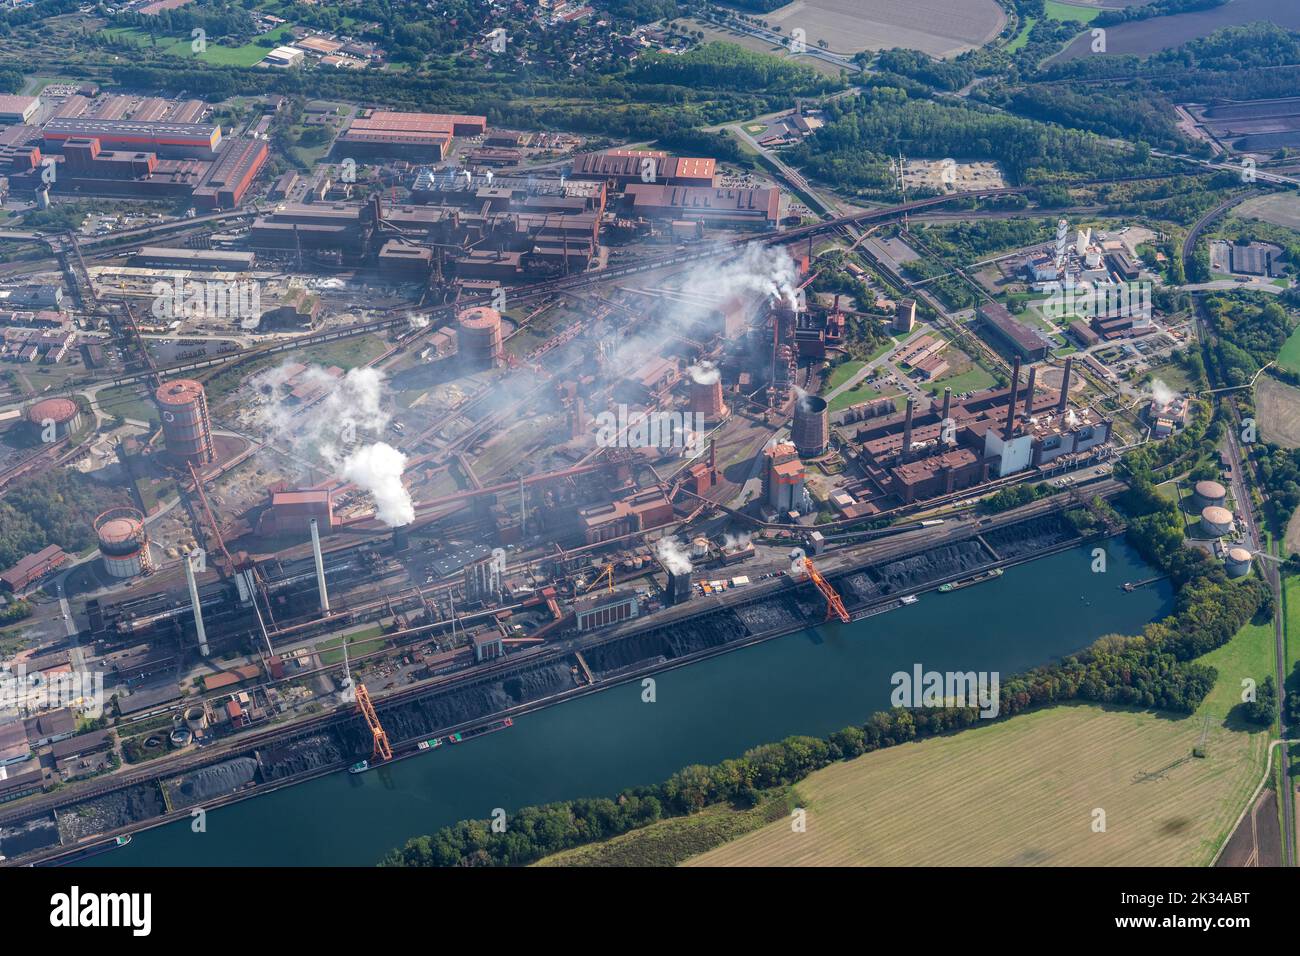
x: 666, y: 643
x: 425, y: 716
x: 209, y: 783
x: 302, y: 754
x: 927, y: 567
x: 118, y: 809
x: 776, y: 614
x: 859, y: 588
x: 1030, y: 536
x: 28, y: 836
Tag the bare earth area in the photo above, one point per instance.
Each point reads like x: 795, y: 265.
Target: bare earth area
x: 1282, y: 209
x: 939, y: 27
x: 1025, y: 791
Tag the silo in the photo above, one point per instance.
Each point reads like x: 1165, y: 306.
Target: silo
x: 1238, y: 563
x: 1209, y: 494
x: 478, y: 337
x: 54, y: 418
x: 124, y: 542
x: 700, y: 547
x: 1216, y: 521
x: 196, y: 718
x: 810, y: 431
x: 187, y: 430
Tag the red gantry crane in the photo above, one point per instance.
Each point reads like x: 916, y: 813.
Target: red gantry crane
x: 834, y: 604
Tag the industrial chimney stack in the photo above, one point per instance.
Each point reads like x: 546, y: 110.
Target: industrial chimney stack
x: 1009, y: 428
x: 320, y: 569
x: 1065, y: 386
x: 194, y: 599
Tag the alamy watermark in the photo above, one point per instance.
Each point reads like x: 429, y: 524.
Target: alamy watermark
x: 34, y: 693
x: 1120, y: 300
x: 922, y: 688
x: 211, y: 299
x: 667, y: 430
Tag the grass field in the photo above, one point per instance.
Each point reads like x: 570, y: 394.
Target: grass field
x: 1024, y: 791
x: 1289, y: 357
x: 245, y: 55
x: 1023, y: 36
x: 129, y: 401
x: 973, y: 378
x: 1056, y: 10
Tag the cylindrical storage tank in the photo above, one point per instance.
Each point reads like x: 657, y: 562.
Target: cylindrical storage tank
x: 478, y: 337
x: 196, y: 718
x: 1238, y: 563
x: 187, y: 430
x: 181, y: 737
x: 700, y: 548
x: 1209, y: 494
x: 123, y: 542
x: 54, y: 418
x: 1216, y: 521
x: 811, y: 429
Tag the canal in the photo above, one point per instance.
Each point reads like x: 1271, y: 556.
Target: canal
x: 813, y: 682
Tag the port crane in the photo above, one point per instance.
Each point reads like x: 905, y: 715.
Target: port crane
x: 381, y: 750
x: 834, y: 604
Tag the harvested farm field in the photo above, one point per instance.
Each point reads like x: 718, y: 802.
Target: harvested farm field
x: 940, y: 28
x: 1023, y: 791
x: 1144, y: 37
x: 1278, y: 407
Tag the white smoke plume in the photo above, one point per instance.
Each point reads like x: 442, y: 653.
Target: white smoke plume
x: 704, y: 373
x: 1162, y: 393
x: 673, y: 555
x: 332, y: 430
x: 758, y: 270
x: 735, y: 542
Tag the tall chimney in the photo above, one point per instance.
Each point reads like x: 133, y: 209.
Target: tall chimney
x: 1009, y: 428
x: 1065, y: 385
x: 1029, y: 390
x: 907, y: 430
x: 947, y: 404
x: 194, y: 600
x: 320, y: 569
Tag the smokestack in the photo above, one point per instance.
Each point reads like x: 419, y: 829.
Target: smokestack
x: 1029, y: 390
x: 320, y: 569
x: 194, y: 600
x: 1011, y: 404
x: 907, y: 429
x: 947, y: 404
x: 1065, y: 385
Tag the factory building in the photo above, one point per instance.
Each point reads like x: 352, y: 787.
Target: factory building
x: 231, y: 174
x: 187, y: 429
x: 292, y: 512
x: 641, y: 511
x: 53, y: 418
x: 1016, y: 337
x: 166, y: 139
x: 958, y: 445
x: 32, y: 568
x: 904, y: 316
x: 421, y: 137
x: 783, y: 477
x: 757, y: 208
x: 488, y: 646
x: 595, y: 611
x: 160, y: 257
x: 123, y: 542
x: 625, y: 167
x: 18, y: 109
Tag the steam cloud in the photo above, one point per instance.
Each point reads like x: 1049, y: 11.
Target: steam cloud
x: 673, y: 556
x: 705, y: 373
x: 1161, y: 392
x: 329, y: 428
